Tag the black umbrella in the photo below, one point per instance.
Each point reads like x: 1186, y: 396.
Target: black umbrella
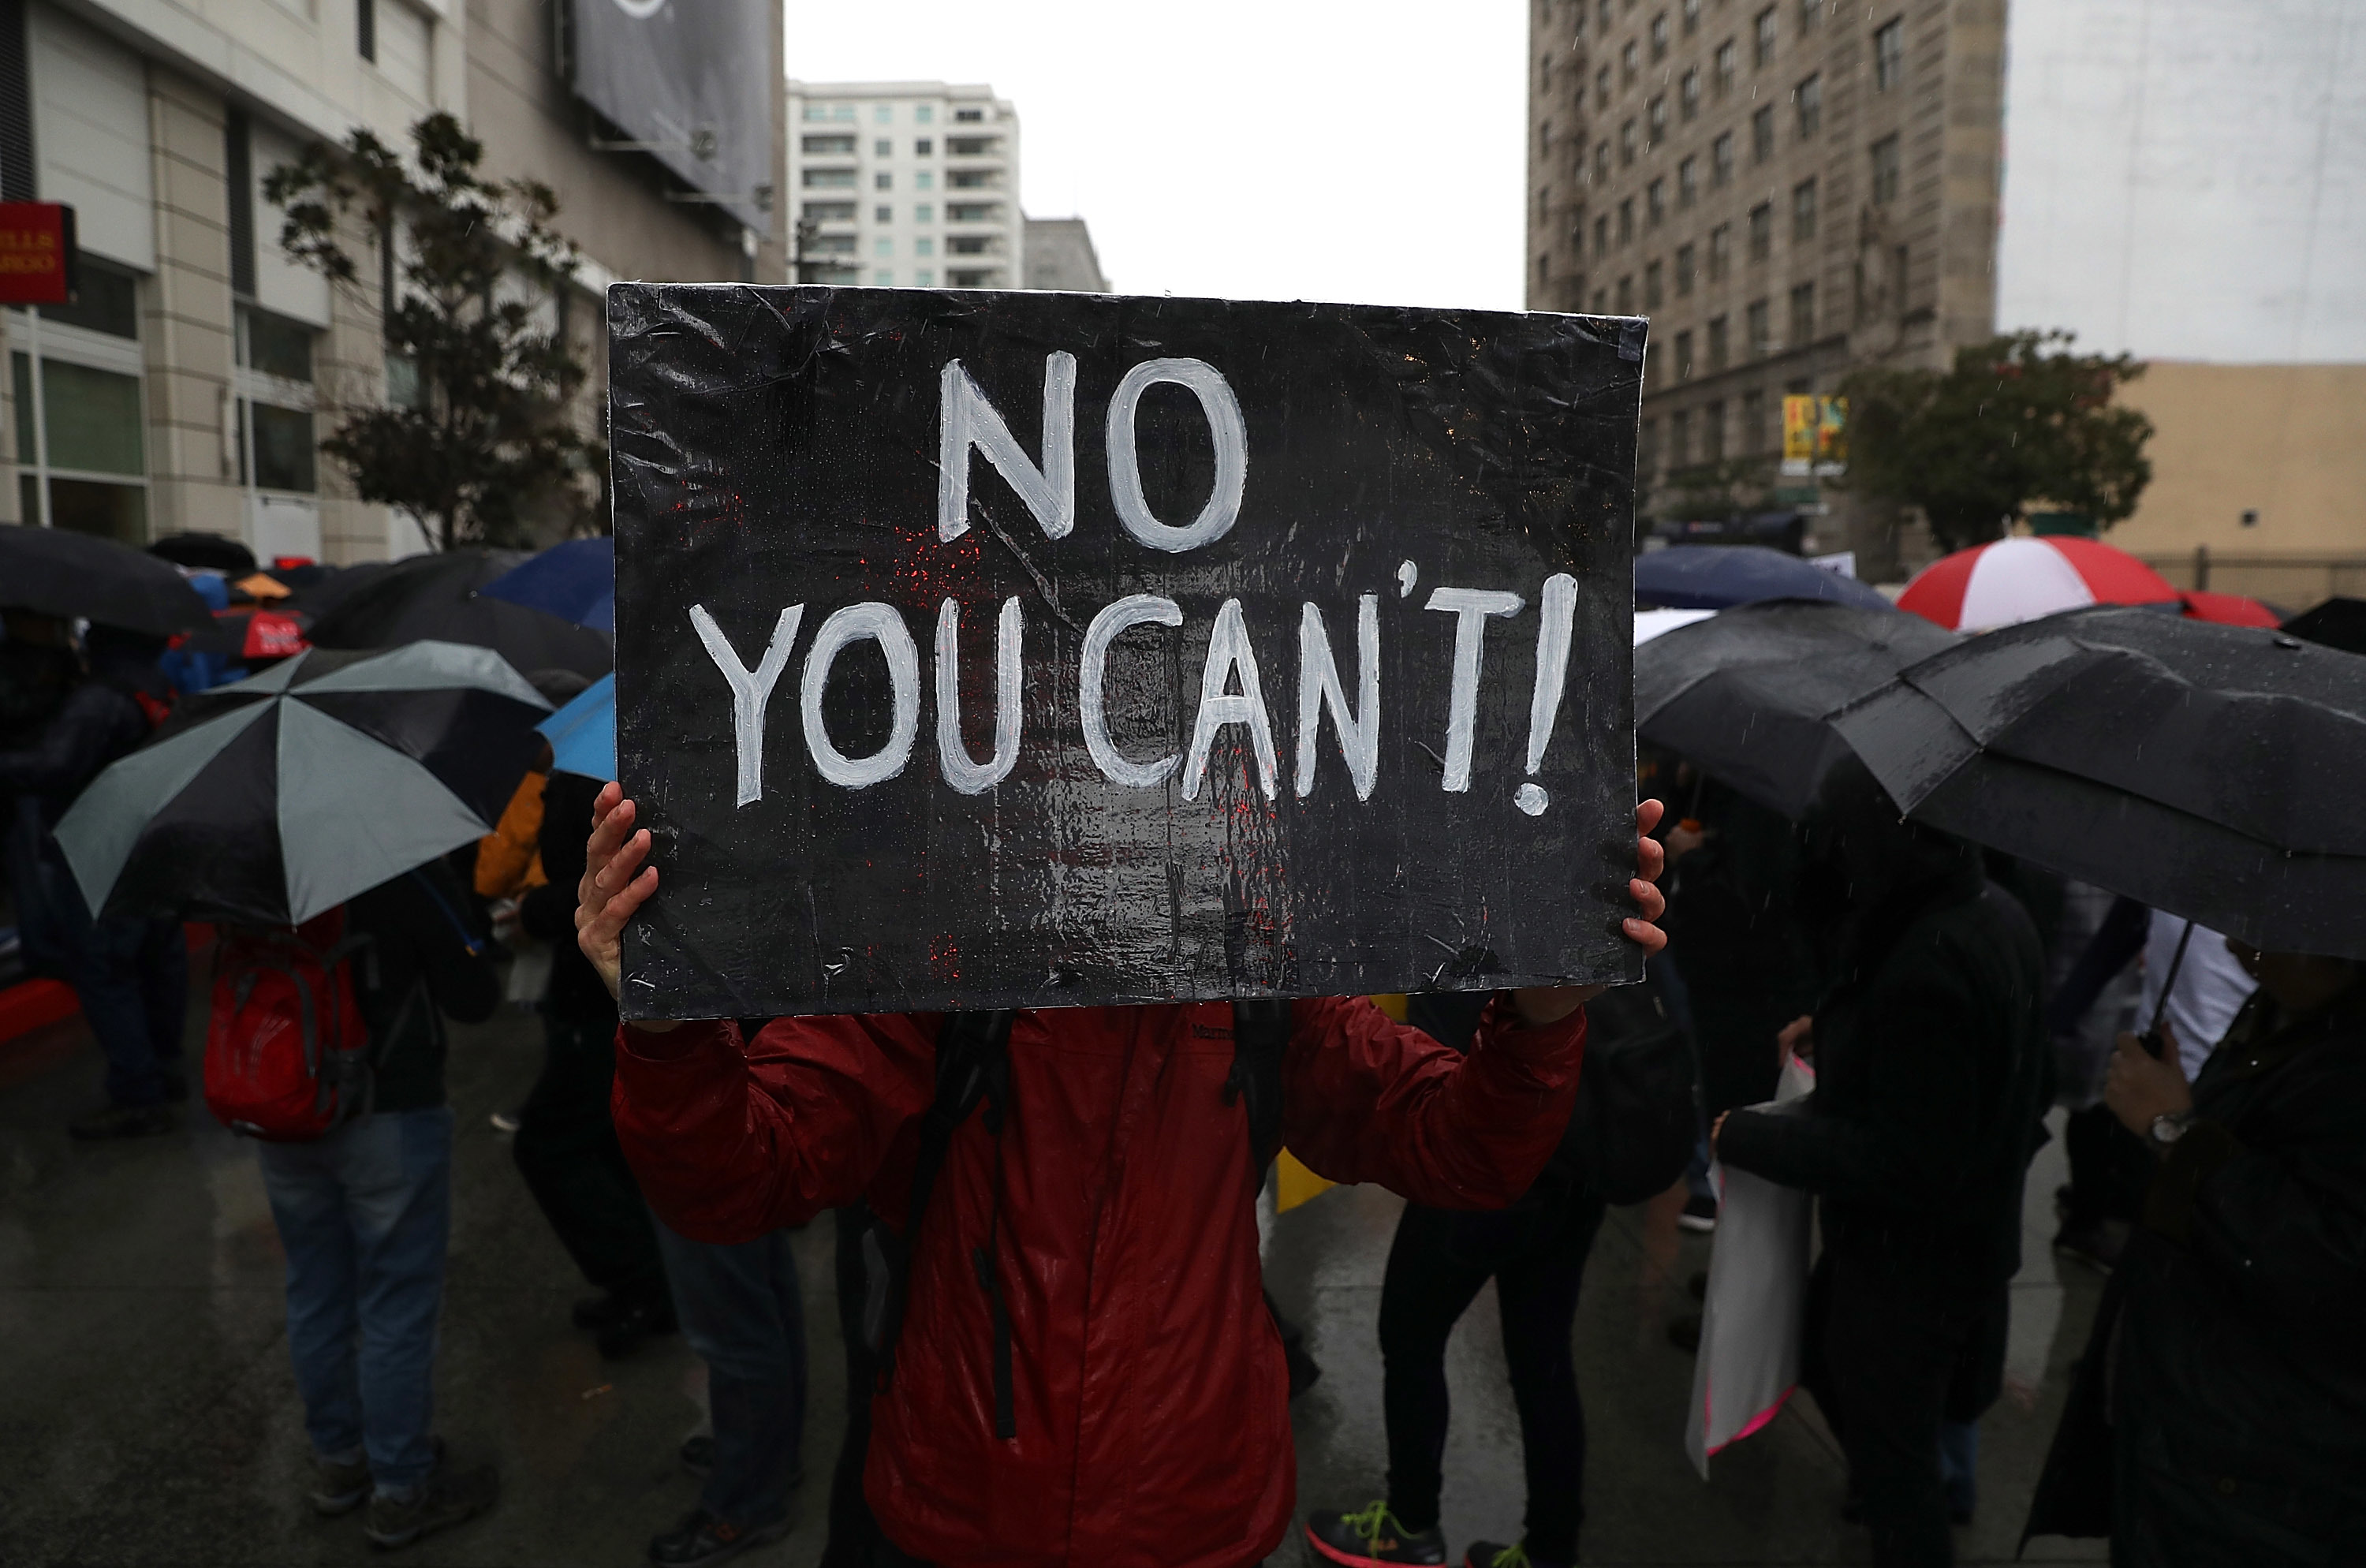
x: 2210, y: 771
x: 2337, y: 623
x: 55, y: 571
x: 436, y: 596
x: 278, y: 797
x: 207, y: 551
x: 1747, y: 694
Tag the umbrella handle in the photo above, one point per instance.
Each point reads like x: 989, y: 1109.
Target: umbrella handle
x: 2153, y: 1041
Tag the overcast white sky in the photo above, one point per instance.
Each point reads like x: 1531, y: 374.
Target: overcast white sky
x: 1367, y: 150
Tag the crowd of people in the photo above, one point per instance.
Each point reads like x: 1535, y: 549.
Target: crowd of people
x: 1047, y: 1242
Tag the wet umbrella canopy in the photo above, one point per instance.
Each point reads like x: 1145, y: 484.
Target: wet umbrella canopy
x: 437, y: 596
x: 281, y: 796
x: 1746, y: 695
x: 57, y: 573
x: 1711, y: 577
x: 2209, y: 771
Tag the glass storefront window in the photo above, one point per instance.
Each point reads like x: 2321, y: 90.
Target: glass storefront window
x: 283, y: 449
x: 93, y: 418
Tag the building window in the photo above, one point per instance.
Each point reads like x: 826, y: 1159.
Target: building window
x: 1888, y: 55
x: 1720, y: 159
x: 924, y: 246
x: 1722, y: 65
x: 1763, y: 44
x: 1717, y: 344
x: 1761, y: 135
x: 885, y: 245
x: 1631, y: 64
x: 1811, y: 15
x: 1652, y: 287
x: 1626, y: 220
x: 925, y: 277
x: 828, y: 146
x: 924, y: 213
x: 1601, y: 302
x: 1604, y: 16
x: 1601, y: 235
x: 1803, y: 210
x: 1627, y: 296
x: 1692, y: 17
x: 365, y: 28
x: 1762, y: 232
x: 91, y: 475
x: 1809, y: 95
x: 883, y: 214
x: 1720, y: 252
x: 924, y: 114
x: 884, y: 114
x: 829, y: 212
x: 1885, y: 171
x: 1656, y: 118
x: 884, y: 278
x: 1688, y: 95
x: 1684, y: 270
x: 1544, y: 268
x: 1753, y: 423
x: 973, y: 212
x: 882, y: 148
x: 1803, y: 314
x: 1544, y: 139
x: 1687, y: 182
x: 1660, y: 37
x: 829, y: 179
x: 1602, y: 88
x: 969, y: 117
x: 1713, y: 432
x: 883, y: 180
x: 973, y: 180
x: 1683, y: 357
x: 1544, y: 75
x: 1900, y: 260
x: 1627, y: 141
x: 1758, y: 322
x: 1655, y: 201
x: 923, y: 147
x: 1680, y: 423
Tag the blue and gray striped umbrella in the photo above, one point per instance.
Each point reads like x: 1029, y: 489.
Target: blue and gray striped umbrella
x: 278, y: 797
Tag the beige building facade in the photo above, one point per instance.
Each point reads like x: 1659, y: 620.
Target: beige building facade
x: 1786, y: 188
x: 189, y: 387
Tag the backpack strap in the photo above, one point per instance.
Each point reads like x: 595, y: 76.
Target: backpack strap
x: 1260, y: 1039
x: 972, y: 1069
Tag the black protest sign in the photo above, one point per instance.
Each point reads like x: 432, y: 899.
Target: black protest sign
x: 1034, y: 649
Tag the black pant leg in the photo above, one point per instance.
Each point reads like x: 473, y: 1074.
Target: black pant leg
x: 854, y: 1538
x: 1892, y: 1348
x: 1536, y: 1293
x: 566, y: 1150
x: 1423, y: 1293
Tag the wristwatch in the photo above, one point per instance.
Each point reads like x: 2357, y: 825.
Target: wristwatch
x: 2169, y: 1126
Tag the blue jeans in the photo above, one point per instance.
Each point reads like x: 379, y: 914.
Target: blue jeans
x: 743, y: 1314
x: 366, y: 1215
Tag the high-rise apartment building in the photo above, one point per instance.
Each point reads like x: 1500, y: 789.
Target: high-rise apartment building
x: 905, y: 185
x: 1787, y: 188
x: 189, y: 387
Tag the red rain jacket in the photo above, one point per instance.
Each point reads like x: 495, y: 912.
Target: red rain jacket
x: 1150, y: 1397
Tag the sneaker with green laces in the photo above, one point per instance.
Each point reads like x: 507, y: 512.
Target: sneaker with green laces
x: 1373, y: 1537
x: 1489, y: 1554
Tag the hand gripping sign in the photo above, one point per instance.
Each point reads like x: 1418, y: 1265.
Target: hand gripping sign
x: 983, y: 649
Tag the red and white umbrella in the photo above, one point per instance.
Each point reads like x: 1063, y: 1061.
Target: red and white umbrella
x: 2016, y: 580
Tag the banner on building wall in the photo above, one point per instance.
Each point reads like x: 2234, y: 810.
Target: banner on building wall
x: 37, y: 253
x: 991, y: 649
x: 694, y: 81
x: 1815, y: 436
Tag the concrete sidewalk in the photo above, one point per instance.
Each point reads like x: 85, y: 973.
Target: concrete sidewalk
x: 148, y: 1414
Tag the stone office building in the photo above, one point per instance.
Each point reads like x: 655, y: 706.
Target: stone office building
x: 189, y: 387
x: 1787, y: 188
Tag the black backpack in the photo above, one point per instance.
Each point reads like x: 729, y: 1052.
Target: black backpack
x: 974, y: 1071
x: 1634, y: 1128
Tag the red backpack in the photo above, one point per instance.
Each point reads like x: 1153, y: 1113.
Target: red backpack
x: 286, y: 1050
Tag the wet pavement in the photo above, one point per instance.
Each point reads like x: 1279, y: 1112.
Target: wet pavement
x: 148, y: 1414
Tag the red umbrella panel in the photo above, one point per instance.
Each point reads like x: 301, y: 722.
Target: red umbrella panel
x: 2009, y: 580
x: 2227, y: 609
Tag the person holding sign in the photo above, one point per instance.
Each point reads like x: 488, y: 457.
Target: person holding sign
x: 1085, y: 1370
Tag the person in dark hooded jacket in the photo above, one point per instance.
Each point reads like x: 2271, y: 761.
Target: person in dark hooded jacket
x: 2220, y: 1413
x: 1929, y: 1058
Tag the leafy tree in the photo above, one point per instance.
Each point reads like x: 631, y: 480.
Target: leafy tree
x: 2019, y: 419
x: 474, y: 433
